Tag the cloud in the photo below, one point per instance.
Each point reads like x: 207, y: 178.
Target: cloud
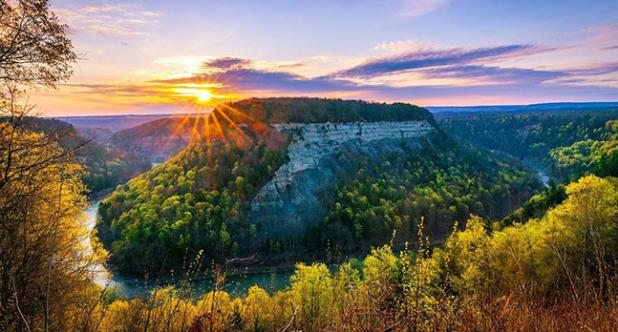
x: 599, y: 69
x: 434, y: 58
x: 226, y: 63
x: 495, y: 75
x: 250, y: 79
x: 449, y: 76
x: 434, y: 71
x: 602, y: 34
x: 414, y: 8
x: 403, y: 46
x: 602, y: 75
x: 118, y: 31
x: 241, y: 75
x: 109, y: 19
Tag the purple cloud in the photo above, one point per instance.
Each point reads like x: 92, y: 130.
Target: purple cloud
x: 602, y: 69
x: 425, y: 59
x: 428, y: 95
x: 494, y: 74
x: 238, y: 76
x: 227, y: 63
x: 455, y: 63
x: 246, y: 79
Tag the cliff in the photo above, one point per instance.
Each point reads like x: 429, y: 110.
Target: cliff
x: 321, y: 155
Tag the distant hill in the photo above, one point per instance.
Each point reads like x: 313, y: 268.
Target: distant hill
x: 114, y: 122
x: 105, y: 166
x: 444, y: 111
x: 279, y: 112
x: 99, y: 135
x: 158, y: 139
x: 567, y: 143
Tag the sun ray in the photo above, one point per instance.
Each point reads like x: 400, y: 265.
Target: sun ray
x: 194, y: 131
x: 207, y: 131
x: 246, y: 116
x: 207, y: 127
x: 217, y: 125
x: 180, y: 125
x: 233, y: 124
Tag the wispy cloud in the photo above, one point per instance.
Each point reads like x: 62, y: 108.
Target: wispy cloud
x: 597, y: 69
x: 434, y: 58
x: 404, y: 46
x: 495, y: 75
x: 109, y: 19
x: 414, y: 8
x: 602, y: 34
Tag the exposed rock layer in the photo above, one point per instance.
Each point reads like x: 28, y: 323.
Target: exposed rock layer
x: 321, y: 156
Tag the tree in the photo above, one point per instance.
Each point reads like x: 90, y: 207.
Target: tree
x: 34, y: 47
x: 312, y: 292
x: 45, y: 264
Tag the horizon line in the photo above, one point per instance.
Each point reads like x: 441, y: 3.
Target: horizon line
x: 611, y: 103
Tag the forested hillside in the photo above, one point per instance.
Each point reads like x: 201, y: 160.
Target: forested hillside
x: 568, y: 144
x: 443, y: 183
x: 159, y: 139
x: 105, y: 167
x: 199, y: 201
x: 599, y: 156
x: 308, y: 110
x: 190, y: 204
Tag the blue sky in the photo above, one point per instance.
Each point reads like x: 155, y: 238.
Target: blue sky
x: 157, y: 56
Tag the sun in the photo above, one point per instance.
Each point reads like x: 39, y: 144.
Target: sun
x: 203, y: 95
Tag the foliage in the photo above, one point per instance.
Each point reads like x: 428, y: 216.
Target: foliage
x: 308, y: 110
x: 34, y: 47
x: 441, y: 184
x: 537, y: 205
x: 105, y: 167
x: 585, y: 156
x: 45, y: 264
x: 553, y: 273
x: 193, y: 202
x: 569, y: 144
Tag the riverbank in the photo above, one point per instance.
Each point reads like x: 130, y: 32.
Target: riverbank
x: 237, y: 281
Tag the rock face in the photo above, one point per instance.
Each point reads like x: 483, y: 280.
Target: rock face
x: 321, y: 156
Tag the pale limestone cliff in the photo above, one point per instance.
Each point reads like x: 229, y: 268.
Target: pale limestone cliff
x: 321, y: 156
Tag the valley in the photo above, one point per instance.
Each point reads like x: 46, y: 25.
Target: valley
x: 291, y: 209
x: 278, y: 199
x: 318, y: 166
x: 234, y: 206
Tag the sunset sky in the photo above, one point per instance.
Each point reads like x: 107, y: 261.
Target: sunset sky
x: 160, y: 56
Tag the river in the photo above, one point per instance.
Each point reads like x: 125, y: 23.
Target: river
x: 539, y: 170
x: 236, y: 284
